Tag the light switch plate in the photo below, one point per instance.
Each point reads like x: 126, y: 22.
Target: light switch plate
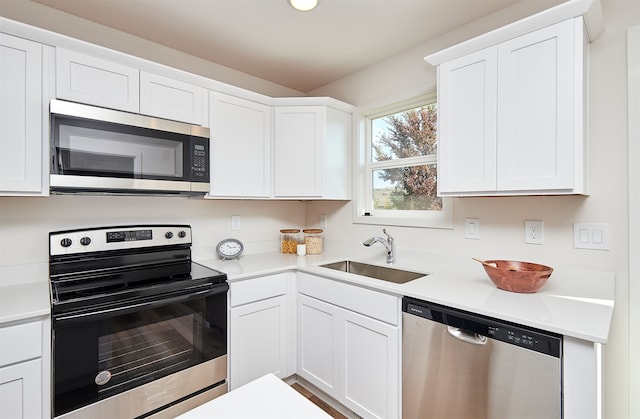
x: 235, y: 222
x: 472, y: 228
x: 591, y: 236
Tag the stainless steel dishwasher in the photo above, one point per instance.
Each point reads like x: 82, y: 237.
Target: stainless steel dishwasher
x: 456, y: 364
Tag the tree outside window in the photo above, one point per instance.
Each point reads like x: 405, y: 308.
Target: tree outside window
x: 403, y: 160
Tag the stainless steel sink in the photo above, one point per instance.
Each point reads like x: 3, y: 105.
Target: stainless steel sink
x: 384, y: 273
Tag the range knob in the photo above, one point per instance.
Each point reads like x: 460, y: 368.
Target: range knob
x: 85, y: 241
x: 182, y: 234
x: 66, y: 242
x: 168, y: 234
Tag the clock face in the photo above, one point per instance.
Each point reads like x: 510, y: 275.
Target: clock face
x: 229, y: 248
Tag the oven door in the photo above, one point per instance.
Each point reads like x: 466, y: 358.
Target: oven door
x: 101, y: 354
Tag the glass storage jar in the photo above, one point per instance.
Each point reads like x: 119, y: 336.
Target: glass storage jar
x: 289, y: 239
x: 313, y: 240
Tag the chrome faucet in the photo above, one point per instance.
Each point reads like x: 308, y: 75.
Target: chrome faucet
x: 388, y: 244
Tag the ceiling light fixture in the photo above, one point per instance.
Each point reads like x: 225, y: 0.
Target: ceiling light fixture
x: 303, y: 5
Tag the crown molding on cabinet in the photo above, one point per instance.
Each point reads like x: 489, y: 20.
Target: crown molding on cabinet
x: 591, y: 10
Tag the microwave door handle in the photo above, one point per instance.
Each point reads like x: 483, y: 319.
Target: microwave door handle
x: 132, y: 308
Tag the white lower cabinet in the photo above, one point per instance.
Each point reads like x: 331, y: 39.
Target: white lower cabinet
x: 25, y: 370
x: 352, y: 356
x: 20, y: 392
x: 260, y: 328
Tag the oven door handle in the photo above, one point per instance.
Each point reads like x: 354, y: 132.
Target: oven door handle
x: 132, y: 308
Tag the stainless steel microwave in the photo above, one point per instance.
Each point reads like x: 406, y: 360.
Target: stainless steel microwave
x: 97, y: 150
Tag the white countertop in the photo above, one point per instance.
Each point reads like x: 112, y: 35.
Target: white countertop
x: 573, y: 302
x: 24, y: 292
x: 268, y: 397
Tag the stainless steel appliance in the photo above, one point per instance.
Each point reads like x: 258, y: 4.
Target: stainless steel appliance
x: 102, y: 150
x: 457, y: 364
x: 138, y: 328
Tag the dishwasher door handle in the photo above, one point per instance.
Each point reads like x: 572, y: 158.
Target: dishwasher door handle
x: 466, y: 336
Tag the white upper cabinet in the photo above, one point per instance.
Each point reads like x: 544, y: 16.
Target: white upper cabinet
x: 21, y: 115
x: 241, y: 137
x: 312, y: 152
x: 102, y: 82
x: 512, y: 116
x: 299, y: 133
x: 467, y: 105
x: 540, y: 109
x: 95, y: 81
x: 167, y: 98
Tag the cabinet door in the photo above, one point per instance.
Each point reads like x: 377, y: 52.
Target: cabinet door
x: 467, y: 94
x: 170, y: 99
x: 536, y: 109
x: 258, y: 341
x: 371, y: 367
x: 318, y: 351
x: 299, y: 151
x: 85, y: 79
x: 240, y: 147
x: 20, y: 115
x: 20, y: 390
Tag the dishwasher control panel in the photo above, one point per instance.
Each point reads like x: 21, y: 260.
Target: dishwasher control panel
x: 537, y: 340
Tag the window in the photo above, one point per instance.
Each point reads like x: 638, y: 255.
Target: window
x: 397, y: 172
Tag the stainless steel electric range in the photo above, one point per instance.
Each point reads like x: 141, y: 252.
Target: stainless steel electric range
x: 138, y: 328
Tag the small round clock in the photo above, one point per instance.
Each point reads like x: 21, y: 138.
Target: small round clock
x: 229, y: 249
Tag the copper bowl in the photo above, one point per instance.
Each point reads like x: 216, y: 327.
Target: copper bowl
x: 515, y: 276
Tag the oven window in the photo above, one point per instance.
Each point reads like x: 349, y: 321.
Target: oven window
x: 130, y: 354
x: 99, y: 358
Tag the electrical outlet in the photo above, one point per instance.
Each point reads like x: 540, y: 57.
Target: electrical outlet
x: 323, y: 221
x: 534, y: 232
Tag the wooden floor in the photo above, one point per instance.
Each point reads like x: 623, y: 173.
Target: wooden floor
x: 322, y: 405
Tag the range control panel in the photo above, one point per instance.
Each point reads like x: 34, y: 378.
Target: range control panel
x: 117, y: 238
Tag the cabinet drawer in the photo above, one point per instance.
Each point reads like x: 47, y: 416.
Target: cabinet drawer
x: 377, y: 305
x: 257, y: 289
x: 20, y: 342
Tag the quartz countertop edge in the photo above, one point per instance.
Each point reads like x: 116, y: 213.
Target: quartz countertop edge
x: 574, y: 302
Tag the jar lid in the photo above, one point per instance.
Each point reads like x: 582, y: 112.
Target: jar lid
x: 290, y: 230
x: 312, y: 231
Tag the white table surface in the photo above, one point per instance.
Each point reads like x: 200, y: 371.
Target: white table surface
x: 267, y: 397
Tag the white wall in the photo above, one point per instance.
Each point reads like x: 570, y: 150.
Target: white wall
x: 44, y: 17
x: 25, y: 222
x: 501, y: 219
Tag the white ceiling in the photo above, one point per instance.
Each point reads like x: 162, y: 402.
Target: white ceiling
x: 270, y: 40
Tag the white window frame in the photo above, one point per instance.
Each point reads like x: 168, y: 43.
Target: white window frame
x: 363, y: 168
